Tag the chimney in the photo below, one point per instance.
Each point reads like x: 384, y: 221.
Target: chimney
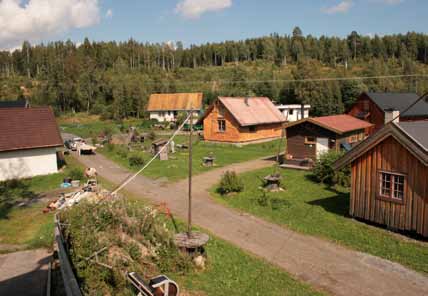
x: 392, y: 115
x: 246, y: 101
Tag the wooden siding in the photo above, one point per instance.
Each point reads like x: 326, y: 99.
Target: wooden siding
x: 296, y: 139
x: 376, y: 116
x: 235, y: 133
x: 390, y: 155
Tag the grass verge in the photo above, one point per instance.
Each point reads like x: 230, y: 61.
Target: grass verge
x: 315, y: 209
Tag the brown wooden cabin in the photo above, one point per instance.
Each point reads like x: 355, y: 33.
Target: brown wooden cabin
x: 389, y: 177
x: 242, y: 120
x: 310, y: 137
x: 381, y: 108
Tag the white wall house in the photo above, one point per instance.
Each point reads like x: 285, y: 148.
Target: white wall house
x: 27, y: 163
x: 166, y: 107
x: 29, y: 140
x: 293, y: 112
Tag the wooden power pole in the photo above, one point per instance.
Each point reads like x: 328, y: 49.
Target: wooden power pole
x: 189, y: 217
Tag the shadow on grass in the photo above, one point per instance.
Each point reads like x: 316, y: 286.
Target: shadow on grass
x: 338, y: 204
x: 13, y: 192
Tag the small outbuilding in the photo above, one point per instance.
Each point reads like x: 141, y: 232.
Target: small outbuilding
x: 166, y: 107
x: 29, y: 141
x: 389, y: 177
x: 294, y: 112
x: 310, y: 137
x: 242, y: 120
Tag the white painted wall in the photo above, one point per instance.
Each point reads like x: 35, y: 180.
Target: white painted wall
x: 294, y: 112
x: 168, y: 116
x: 27, y: 163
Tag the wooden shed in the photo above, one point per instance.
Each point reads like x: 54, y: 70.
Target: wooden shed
x: 242, y: 120
x: 310, y: 137
x: 389, y: 177
x: 166, y: 107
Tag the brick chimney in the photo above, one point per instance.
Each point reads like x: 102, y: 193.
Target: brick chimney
x: 391, y: 114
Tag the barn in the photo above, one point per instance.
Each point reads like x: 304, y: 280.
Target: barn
x: 166, y: 107
x: 29, y: 139
x: 242, y: 120
x: 310, y: 137
x: 380, y: 108
x: 389, y: 177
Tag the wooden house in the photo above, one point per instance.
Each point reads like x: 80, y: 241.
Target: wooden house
x: 242, y: 120
x: 310, y: 137
x: 166, y: 107
x: 381, y: 108
x: 389, y: 177
x: 29, y: 141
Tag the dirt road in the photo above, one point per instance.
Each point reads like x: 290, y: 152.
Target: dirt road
x: 323, y: 264
x: 24, y: 273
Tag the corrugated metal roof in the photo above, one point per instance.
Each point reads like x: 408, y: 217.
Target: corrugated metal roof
x: 175, y: 102
x: 26, y: 128
x: 253, y: 110
x: 342, y: 123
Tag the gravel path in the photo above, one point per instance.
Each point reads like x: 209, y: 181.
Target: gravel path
x: 323, y: 264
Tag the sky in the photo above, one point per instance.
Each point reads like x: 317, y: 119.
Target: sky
x: 201, y: 21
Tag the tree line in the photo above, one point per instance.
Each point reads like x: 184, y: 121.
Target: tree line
x: 114, y: 79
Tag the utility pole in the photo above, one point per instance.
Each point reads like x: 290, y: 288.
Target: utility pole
x: 189, y: 217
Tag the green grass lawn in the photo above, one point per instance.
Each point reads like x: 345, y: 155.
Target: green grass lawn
x: 314, y: 209
x: 177, y: 166
x: 28, y: 225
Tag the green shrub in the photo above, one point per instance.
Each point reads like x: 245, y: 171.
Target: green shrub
x: 324, y: 172
x: 263, y: 199
x: 151, y: 136
x: 122, y: 151
x: 135, y: 161
x: 76, y: 174
x: 230, y: 182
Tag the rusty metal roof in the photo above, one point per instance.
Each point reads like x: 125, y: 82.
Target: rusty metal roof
x: 27, y: 128
x: 252, y: 110
x: 343, y: 122
x: 175, y: 102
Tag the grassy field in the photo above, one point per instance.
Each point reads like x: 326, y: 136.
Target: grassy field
x: 314, y: 209
x: 177, y: 166
x: 28, y: 226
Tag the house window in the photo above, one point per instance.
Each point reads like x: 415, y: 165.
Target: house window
x: 291, y: 111
x: 366, y: 106
x: 310, y: 140
x: 353, y: 139
x: 221, y: 125
x: 252, y: 129
x: 392, y: 186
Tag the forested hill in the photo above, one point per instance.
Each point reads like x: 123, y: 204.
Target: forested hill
x: 115, y: 79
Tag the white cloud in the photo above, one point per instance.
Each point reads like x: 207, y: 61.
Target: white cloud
x: 391, y: 2
x: 193, y: 9
x: 341, y: 7
x: 109, y: 13
x: 35, y: 20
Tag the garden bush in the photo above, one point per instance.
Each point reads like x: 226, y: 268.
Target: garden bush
x: 230, y: 182
x: 324, y: 172
x: 136, y: 161
x: 76, y: 174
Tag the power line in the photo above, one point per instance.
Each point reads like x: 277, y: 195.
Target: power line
x: 297, y: 80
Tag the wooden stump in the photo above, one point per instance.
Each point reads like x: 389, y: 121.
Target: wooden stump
x: 193, y: 244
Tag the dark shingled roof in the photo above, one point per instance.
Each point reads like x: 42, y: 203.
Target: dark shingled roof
x: 28, y: 128
x: 13, y: 104
x: 400, y: 101
x: 418, y: 130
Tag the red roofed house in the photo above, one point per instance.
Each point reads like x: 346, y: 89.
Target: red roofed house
x: 29, y: 138
x: 242, y: 120
x: 310, y: 137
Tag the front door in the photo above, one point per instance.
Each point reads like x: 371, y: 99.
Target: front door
x: 322, y: 146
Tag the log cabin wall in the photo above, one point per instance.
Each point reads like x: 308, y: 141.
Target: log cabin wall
x: 376, y: 115
x: 234, y: 133
x: 365, y: 203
